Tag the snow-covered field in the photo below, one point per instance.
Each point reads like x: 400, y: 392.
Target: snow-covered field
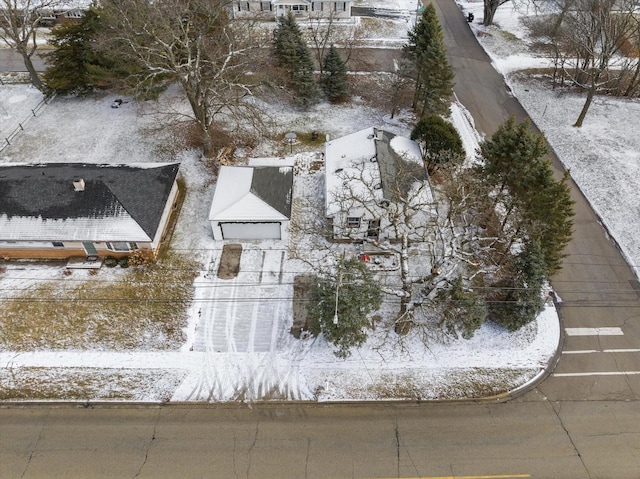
x: 238, y: 344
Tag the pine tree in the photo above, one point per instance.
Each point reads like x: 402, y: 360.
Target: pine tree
x: 334, y: 81
x: 344, y: 319
x: 76, y: 67
x: 537, y: 206
x: 518, y: 300
x: 461, y: 310
x: 513, y: 152
x: 294, y: 58
x: 551, y: 216
x: 432, y: 73
x: 70, y: 61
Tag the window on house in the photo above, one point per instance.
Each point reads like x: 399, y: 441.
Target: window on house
x: 133, y: 246
x: 316, y: 6
x: 243, y: 6
x: 341, y: 6
x: 57, y: 244
x: 373, y: 230
x: 265, y: 6
x: 353, y: 222
x: 118, y: 246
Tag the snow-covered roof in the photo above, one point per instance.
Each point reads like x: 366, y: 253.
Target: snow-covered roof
x: 407, y: 149
x: 350, y: 156
x: 115, y: 202
x: 252, y: 194
x: 365, y: 158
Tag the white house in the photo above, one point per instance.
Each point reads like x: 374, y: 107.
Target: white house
x: 300, y: 8
x: 252, y: 203
x: 361, y: 171
x: 60, y: 210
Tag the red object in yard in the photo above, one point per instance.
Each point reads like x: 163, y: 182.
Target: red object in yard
x: 365, y: 257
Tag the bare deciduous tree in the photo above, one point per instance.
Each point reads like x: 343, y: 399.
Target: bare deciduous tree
x: 587, y: 37
x: 195, y: 45
x: 433, y: 231
x: 19, y: 20
x: 324, y: 31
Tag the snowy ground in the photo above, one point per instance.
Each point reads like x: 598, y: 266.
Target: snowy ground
x: 238, y: 344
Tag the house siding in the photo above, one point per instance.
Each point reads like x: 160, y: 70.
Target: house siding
x: 164, y: 220
x: 316, y: 8
x: 45, y: 250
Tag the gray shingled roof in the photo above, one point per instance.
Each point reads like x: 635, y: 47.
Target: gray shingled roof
x: 273, y: 186
x: 46, y: 191
x: 396, y: 174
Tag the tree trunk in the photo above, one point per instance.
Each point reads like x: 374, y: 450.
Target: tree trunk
x: 633, y: 83
x: 585, y: 108
x: 33, y: 74
x: 403, y: 325
x: 490, y: 7
x: 208, y: 147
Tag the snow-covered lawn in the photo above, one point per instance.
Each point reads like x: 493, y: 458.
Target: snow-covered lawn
x: 237, y: 342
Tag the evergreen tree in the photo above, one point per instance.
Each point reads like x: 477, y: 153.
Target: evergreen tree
x: 334, y: 81
x: 344, y: 320
x: 432, y: 73
x: 512, y: 155
x: 461, y: 310
x: 535, y: 204
x: 294, y: 58
x: 551, y: 216
x: 74, y: 60
x: 439, y: 141
x: 518, y: 300
x: 76, y: 66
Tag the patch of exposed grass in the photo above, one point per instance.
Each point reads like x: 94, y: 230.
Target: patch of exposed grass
x: 459, y: 384
x: 142, y: 308
x: 508, y: 36
x: 86, y: 384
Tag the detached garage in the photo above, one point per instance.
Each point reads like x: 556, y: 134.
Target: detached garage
x: 252, y: 203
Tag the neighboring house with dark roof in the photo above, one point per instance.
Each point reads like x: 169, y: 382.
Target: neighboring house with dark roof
x: 363, y: 173
x: 252, y: 203
x: 60, y: 210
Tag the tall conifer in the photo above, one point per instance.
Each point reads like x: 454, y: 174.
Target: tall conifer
x: 293, y: 56
x: 334, y: 82
x: 432, y: 73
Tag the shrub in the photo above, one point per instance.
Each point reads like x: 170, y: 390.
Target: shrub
x: 123, y: 262
x: 140, y: 258
x: 439, y: 141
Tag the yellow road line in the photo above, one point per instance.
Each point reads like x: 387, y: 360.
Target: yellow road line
x: 501, y: 476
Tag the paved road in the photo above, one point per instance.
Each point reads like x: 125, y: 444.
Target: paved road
x: 597, y: 287
x: 571, y: 440
x: 10, y: 61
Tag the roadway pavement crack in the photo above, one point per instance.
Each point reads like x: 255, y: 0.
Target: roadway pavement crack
x: 306, y: 459
x: 35, y: 445
x: 146, y: 452
x: 235, y: 443
x: 255, y: 440
x: 573, y: 444
x: 397, y: 449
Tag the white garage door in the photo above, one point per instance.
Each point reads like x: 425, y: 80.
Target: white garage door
x: 250, y: 230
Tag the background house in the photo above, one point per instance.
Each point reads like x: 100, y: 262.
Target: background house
x: 60, y: 210
x: 300, y: 8
x: 252, y: 203
x: 361, y: 181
